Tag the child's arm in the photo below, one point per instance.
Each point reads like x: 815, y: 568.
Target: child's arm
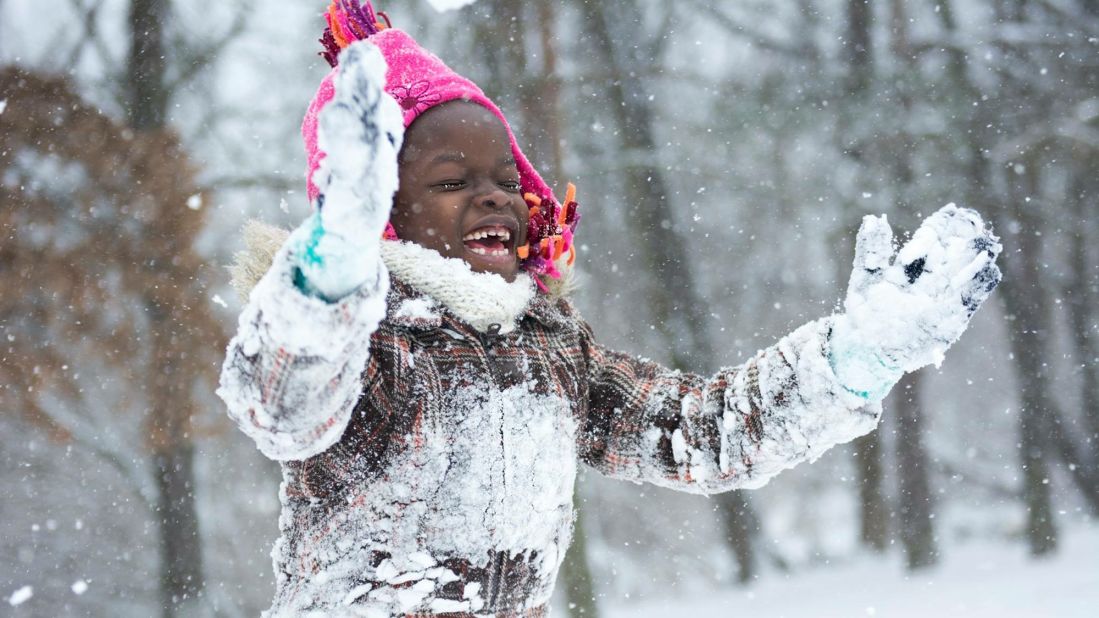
x: 787, y: 405
x: 292, y: 373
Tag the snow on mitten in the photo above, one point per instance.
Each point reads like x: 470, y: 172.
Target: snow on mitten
x: 360, y: 131
x: 904, y: 309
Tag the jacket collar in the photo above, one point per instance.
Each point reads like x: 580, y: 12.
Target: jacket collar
x: 427, y: 287
x: 411, y: 309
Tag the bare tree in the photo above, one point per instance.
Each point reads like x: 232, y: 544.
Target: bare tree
x: 679, y: 312
x: 914, y: 495
x: 915, y: 499
x: 167, y: 327
x: 115, y: 336
x: 868, y: 449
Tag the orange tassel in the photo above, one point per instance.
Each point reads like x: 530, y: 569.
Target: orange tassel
x: 532, y: 199
x: 572, y: 254
x: 334, y: 24
x: 523, y: 252
x: 570, y: 196
x: 559, y: 249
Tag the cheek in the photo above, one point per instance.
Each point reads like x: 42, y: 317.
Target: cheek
x: 430, y: 221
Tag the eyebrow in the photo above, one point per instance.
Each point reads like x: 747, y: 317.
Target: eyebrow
x: 458, y: 157
x: 448, y: 157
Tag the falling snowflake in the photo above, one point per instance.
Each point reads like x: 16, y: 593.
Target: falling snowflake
x: 21, y: 596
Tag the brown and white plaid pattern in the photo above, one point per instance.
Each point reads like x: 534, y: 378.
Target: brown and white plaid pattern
x: 635, y: 420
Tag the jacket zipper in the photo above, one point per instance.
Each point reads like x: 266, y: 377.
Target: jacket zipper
x: 487, y: 339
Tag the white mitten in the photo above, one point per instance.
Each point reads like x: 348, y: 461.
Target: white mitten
x: 904, y: 309
x: 360, y: 131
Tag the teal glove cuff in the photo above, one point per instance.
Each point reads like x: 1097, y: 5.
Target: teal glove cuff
x: 327, y: 265
x: 861, y: 369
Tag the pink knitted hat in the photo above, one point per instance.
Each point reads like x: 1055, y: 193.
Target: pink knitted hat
x: 418, y: 81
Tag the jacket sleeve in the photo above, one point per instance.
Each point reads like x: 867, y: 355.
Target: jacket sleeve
x: 735, y: 430
x: 293, y: 372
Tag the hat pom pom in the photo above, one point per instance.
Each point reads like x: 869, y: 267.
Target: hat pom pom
x: 348, y: 21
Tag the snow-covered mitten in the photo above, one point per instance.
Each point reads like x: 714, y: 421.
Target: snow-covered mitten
x: 360, y: 131
x: 904, y: 309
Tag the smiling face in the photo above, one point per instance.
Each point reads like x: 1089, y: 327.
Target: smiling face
x: 459, y: 189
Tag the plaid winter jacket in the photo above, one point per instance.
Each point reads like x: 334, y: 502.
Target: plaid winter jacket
x: 429, y: 460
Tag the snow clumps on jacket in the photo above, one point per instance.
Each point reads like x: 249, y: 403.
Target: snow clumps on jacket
x: 429, y: 426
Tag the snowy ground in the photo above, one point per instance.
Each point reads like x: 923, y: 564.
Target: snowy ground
x: 977, y: 580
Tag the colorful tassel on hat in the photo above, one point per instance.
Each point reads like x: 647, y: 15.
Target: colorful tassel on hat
x: 550, y: 232
x: 349, y: 22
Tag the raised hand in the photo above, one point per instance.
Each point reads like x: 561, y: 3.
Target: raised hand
x: 360, y: 131
x: 904, y: 309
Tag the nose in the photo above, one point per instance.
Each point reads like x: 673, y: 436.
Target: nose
x: 492, y: 196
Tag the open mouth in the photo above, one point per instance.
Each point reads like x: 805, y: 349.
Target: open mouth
x: 490, y: 241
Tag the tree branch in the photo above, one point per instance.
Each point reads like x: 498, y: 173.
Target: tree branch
x: 193, y: 61
x: 734, y: 27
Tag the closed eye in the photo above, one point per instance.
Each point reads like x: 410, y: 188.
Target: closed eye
x: 450, y: 185
x: 510, y: 186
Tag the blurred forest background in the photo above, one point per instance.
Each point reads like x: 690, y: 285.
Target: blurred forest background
x: 725, y: 153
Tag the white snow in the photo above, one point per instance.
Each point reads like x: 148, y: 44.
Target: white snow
x: 80, y: 586
x: 195, y: 201
x: 218, y: 300
x: 449, y: 5
x: 982, y: 579
x: 21, y: 596
x: 422, y: 308
x: 3, y: 105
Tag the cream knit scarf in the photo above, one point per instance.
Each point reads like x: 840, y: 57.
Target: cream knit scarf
x: 479, y: 299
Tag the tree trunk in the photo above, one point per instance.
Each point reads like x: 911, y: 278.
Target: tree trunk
x: 576, y: 572
x: 1029, y: 316
x: 858, y: 50
x: 1026, y: 303
x: 873, y: 508
x: 742, y: 527
x: 1083, y: 299
x: 147, y: 98
x: 868, y: 449
x: 181, y: 577
x: 1082, y: 293
x: 181, y: 569
x: 678, y: 311
x: 915, y: 500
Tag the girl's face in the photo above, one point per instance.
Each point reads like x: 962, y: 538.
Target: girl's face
x: 459, y: 189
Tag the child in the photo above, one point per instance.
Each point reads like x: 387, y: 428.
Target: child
x: 430, y: 394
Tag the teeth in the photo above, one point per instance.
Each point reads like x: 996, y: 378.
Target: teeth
x: 483, y: 251
x: 500, y: 232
